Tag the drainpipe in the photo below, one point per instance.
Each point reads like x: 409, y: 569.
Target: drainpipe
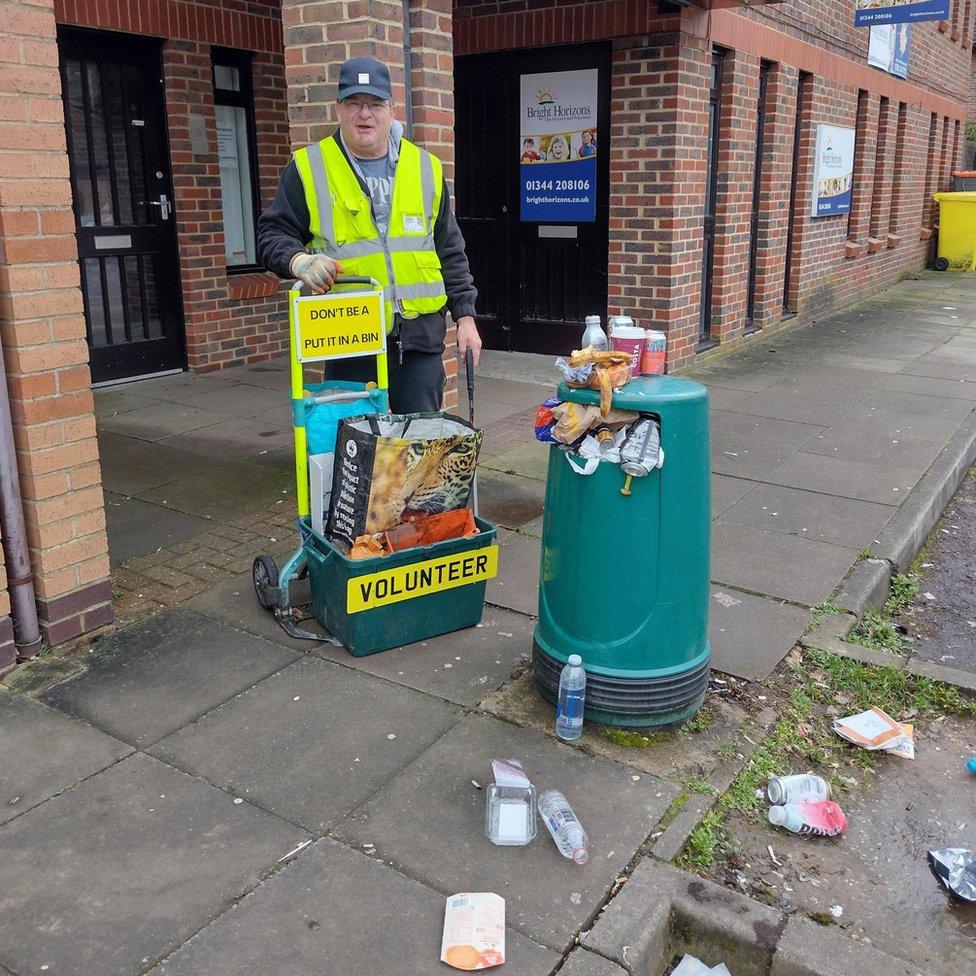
x: 407, y: 86
x: 20, y: 581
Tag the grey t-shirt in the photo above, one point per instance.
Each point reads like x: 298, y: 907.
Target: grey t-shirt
x: 378, y: 174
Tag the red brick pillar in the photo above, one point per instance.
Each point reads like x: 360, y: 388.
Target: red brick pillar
x: 859, y: 220
x: 319, y: 36
x: 657, y: 186
x: 774, y: 195
x: 883, y: 169
x: 42, y: 328
x: 733, y: 194
x: 905, y: 172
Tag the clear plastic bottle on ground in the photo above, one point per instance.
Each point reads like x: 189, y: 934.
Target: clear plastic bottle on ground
x: 572, y: 698
x: 594, y: 335
x: 563, y: 824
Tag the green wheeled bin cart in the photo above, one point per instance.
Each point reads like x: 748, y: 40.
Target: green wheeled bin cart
x: 624, y: 578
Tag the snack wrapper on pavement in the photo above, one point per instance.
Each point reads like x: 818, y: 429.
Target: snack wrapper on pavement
x: 474, y: 931
x: 955, y: 867
x: 390, y: 467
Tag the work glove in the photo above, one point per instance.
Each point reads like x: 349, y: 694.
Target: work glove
x: 315, y: 270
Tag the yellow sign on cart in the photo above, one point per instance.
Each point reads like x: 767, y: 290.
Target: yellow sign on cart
x: 339, y: 325
x: 420, y: 579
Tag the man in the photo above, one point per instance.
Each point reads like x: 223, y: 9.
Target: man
x: 366, y: 201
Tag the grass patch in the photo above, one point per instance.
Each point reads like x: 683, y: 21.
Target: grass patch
x: 904, y: 589
x: 708, y: 842
x: 629, y: 739
x: 864, y: 553
x: 820, y: 611
x: 875, y: 628
x: 691, y: 786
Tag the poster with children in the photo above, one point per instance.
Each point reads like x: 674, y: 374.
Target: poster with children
x: 833, y: 173
x: 558, y: 145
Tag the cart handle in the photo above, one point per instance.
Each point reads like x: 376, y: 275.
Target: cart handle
x: 343, y: 280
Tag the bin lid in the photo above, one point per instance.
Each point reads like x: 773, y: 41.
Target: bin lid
x: 956, y: 196
x: 644, y: 394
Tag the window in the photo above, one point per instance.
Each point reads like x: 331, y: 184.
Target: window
x: 234, y: 107
x: 880, y: 218
x: 757, y: 174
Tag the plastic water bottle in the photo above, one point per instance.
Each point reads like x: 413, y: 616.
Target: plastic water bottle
x: 572, y: 697
x: 595, y: 336
x: 564, y: 825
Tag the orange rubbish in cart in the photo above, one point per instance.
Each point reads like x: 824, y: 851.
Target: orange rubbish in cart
x: 474, y: 931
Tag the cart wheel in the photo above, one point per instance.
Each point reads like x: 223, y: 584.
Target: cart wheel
x: 264, y: 574
x: 941, y: 264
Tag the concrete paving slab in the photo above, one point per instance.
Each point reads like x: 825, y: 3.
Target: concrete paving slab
x: 847, y: 477
x: 130, y: 465
x: 272, y: 375
x: 125, y: 867
x: 884, y: 445
x: 726, y: 397
x: 584, y: 963
x: 509, y: 501
x: 726, y: 491
x: 429, y: 822
x: 751, y: 447
x: 160, y: 420
x: 850, y: 361
x: 939, y: 367
x: 489, y: 412
x: 179, y: 384
x: 136, y: 528
x: 524, y: 461
x: 243, y: 437
x: 244, y: 487
x: 917, y: 405
x: 310, y: 743
x: 149, y: 679
x: 111, y: 401
x: 513, y: 391
x: 750, y: 634
x: 672, y: 754
x: 801, y: 570
x: 336, y: 912
x: 519, y: 367
x: 813, y: 396
x: 962, y: 389
x: 517, y: 585
x: 237, y: 400
x: 43, y: 752
x: 810, y: 515
x: 463, y: 666
x: 736, y: 376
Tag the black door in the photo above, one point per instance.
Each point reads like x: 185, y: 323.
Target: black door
x: 536, y: 281
x: 120, y: 181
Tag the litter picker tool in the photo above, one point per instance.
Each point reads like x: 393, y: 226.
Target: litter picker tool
x: 469, y: 370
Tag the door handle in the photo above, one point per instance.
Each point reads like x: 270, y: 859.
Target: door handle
x: 164, y: 206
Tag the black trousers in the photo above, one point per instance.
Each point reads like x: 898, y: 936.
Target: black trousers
x: 416, y: 384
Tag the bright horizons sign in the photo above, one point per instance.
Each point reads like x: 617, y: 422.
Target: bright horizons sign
x: 549, y: 113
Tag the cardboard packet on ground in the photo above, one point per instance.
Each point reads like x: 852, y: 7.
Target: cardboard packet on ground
x: 871, y: 730
x: 474, y: 930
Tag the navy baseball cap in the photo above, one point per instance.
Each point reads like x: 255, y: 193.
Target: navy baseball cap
x: 365, y: 76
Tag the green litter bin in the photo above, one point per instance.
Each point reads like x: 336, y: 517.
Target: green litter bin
x: 371, y: 605
x: 624, y: 579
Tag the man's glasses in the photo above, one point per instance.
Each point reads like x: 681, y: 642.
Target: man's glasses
x: 358, y: 107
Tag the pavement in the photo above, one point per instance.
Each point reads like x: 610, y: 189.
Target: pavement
x: 195, y: 792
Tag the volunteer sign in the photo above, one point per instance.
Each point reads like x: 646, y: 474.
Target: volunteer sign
x: 833, y: 172
x: 420, y: 579
x: 339, y: 325
x: 558, y: 145
x: 868, y: 12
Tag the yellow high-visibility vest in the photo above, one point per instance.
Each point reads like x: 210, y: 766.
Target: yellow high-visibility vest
x: 341, y: 221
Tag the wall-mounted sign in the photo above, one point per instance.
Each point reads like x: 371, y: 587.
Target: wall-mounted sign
x: 890, y: 48
x: 833, y: 171
x: 868, y: 12
x: 558, y: 143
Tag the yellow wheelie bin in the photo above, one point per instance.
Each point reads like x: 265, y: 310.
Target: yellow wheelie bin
x: 957, y: 231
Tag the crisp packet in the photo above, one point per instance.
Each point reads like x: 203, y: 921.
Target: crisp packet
x: 955, y: 867
x: 545, y: 421
x: 474, y: 930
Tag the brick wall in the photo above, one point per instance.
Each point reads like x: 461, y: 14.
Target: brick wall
x: 42, y: 329
x: 658, y: 126
x: 229, y: 319
x: 319, y: 36
x: 971, y: 114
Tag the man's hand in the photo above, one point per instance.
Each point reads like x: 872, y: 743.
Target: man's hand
x: 468, y: 338
x: 316, y: 270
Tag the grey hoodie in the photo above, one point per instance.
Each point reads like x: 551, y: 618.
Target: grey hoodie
x: 283, y: 230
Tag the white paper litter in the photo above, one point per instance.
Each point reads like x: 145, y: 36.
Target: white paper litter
x: 691, y: 966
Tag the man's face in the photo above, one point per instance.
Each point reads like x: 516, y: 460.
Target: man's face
x: 364, y: 121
